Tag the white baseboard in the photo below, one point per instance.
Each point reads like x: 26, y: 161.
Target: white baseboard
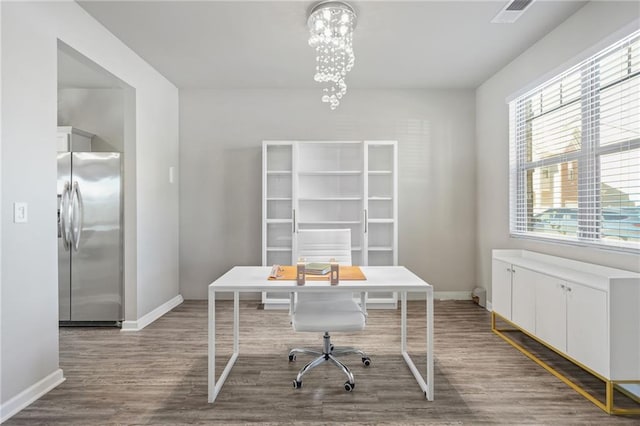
x: 489, y: 306
x: 441, y: 295
x: 452, y: 295
x: 147, y: 319
x: 29, y: 395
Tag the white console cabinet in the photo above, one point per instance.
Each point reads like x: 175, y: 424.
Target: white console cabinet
x: 588, y: 313
x: 330, y: 184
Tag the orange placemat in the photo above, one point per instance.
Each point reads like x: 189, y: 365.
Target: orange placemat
x: 347, y: 273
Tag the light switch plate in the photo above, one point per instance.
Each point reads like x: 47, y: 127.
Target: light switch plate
x: 172, y: 172
x: 20, y: 212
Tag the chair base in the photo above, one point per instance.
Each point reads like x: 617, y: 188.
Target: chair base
x: 328, y: 354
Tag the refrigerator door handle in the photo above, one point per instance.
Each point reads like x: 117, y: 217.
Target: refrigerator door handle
x: 65, y: 216
x: 77, y: 212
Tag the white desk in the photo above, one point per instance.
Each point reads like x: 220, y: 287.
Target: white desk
x: 379, y: 278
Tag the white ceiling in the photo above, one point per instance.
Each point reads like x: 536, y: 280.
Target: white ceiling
x: 263, y: 44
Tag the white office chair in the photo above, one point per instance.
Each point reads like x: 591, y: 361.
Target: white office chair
x: 327, y: 312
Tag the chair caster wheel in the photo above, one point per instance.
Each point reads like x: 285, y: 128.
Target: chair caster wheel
x: 349, y: 386
x: 366, y: 361
x: 292, y: 357
x: 297, y: 384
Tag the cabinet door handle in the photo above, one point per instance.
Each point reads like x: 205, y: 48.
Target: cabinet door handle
x: 294, y: 221
x: 366, y: 220
x: 568, y: 288
x: 562, y: 286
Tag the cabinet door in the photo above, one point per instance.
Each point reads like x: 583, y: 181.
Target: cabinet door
x: 277, y: 203
x: 381, y: 204
x: 587, y: 339
x: 551, y: 312
x: 278, y: 210
x: 63, y: 142
x: 380, y: 238
x: 501, y: 288
x: 523, y: 295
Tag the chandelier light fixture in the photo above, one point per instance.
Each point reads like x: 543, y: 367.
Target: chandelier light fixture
x: 331, y: 25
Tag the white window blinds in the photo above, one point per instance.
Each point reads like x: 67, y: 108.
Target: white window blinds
x: 575, y: 152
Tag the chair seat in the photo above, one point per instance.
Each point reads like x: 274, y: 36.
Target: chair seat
x: 328, y: 315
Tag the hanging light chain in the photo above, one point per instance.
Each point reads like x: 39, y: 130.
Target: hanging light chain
x: 331, y: 27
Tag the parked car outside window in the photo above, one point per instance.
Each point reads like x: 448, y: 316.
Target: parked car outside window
x: 623, y: 224
x: 619, y: 224
x: 562, y: 220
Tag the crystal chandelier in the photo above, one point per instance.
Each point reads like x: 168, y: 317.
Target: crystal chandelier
x: 331, y: 25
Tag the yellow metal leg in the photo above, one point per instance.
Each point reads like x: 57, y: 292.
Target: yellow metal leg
x: 614, y: 387
x: 607, y: 405
x: 494, y: 328
x: 609, y: 397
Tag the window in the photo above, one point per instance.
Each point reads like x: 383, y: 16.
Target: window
x: 575, y: 153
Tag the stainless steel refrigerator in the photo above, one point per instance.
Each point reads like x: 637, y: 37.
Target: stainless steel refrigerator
x: 90, y: 249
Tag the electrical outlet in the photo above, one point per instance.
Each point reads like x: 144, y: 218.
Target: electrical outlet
x: 20, y: 212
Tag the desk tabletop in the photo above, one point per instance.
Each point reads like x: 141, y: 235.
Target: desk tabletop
x: 379, y: 278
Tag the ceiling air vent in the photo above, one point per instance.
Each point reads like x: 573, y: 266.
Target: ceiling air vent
x: 511, y: 12
x: 518, y: 4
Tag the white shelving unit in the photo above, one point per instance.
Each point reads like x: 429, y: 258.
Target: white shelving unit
x: 381, y: 208
x: 277, y: 199
x: 330, y: 184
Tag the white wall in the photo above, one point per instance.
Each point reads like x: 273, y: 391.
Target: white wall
x: 563, y: 47
x: 221, y: 133
x: 29, y: 314
x: 97, y: 111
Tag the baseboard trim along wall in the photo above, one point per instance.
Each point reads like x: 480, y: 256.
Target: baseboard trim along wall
x: 489, y: 306
x: 451, y: 295
x: 29, y: 395
x: 440, y: 295
x: 150, y: 317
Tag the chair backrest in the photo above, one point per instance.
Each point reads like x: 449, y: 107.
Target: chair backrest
x: 320, y: 245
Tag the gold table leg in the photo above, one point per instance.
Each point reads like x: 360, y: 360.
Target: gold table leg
x: 608, y: 405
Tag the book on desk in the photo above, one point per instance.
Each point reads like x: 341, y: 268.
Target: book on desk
x: 317, y: 268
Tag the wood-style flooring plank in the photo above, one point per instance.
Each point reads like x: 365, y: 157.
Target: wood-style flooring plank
x: 159, y: 375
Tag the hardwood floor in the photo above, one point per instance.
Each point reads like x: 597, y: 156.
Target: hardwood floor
x: 159, y: 375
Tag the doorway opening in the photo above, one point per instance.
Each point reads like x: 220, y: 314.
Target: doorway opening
x: 96, y: 183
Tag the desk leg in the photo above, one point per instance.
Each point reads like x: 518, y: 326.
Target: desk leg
x: 236, y: 322
x: 430, y: 376
x: 216, y: 386
x: 403, y: 322
x: 427, y: 388
x: 211, y: 379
